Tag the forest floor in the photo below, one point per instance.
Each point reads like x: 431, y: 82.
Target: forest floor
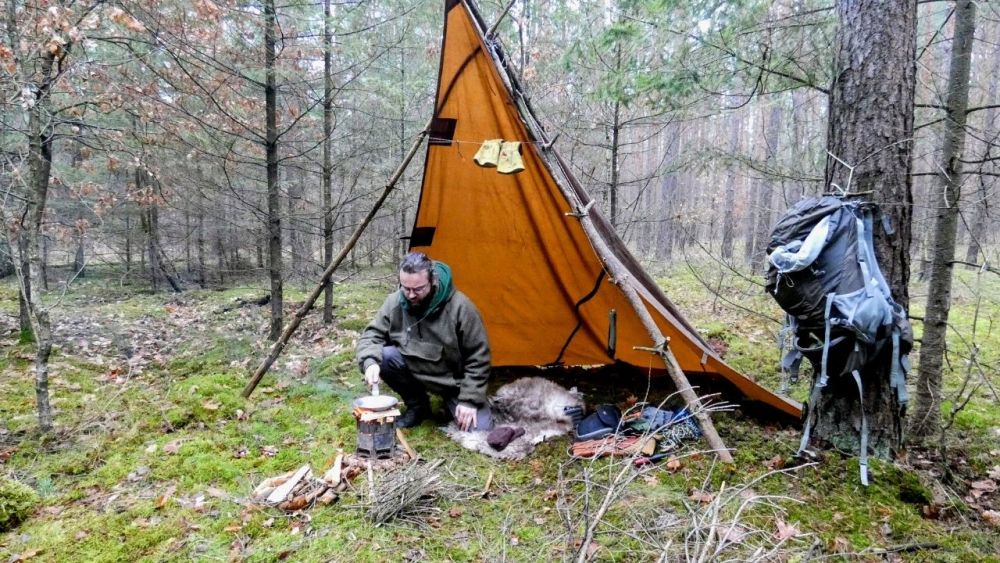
x: 155, y: 453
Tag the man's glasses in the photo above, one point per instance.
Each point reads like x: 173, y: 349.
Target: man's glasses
x: 419, y: 290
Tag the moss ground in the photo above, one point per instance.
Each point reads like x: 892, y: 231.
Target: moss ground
x: 155, y: 451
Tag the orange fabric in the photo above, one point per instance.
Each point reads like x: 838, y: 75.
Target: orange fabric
x: 512, y: 247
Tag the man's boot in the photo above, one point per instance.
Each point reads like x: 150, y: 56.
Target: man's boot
x: 416, y: 412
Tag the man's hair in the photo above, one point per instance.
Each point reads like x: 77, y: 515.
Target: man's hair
x: 416, y: 262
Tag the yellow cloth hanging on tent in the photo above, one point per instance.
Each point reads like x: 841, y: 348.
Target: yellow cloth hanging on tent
x: 510, y: 158
x: 489, y: 153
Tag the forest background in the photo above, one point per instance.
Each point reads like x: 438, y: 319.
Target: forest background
x: 182, y: 145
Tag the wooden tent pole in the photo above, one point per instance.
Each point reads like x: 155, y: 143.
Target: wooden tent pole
x: 676, y: 373
x: 620, y: 276
x: 334, y: 264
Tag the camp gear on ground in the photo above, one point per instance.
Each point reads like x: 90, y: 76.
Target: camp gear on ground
x: 510, y: 158
x: 603, y: 421
x: 489, y: 153
x: 681, y: 429
x: 823, y: 273
x: 525, y: 246
x: 500, y: 437
x: 376, y: 418
x: 442, y: 347
x: 540, y: 407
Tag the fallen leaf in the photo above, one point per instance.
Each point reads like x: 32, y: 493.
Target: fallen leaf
x: 992, y: 517
x: 703, y: 497
x: 24, y: 556
x: 673, y: 464
x: 841, y: 545
x: 986, y: 485
x: 776, y: 462
x: 786, y: 531
x: 240, y: 415
x: 269, y: 451
x: 931, y: 511
x: 732, y: 534
x: 233, y: 528
x: 173, y: 447
x: 216, y: 492
x: 456, y: 511
x: 210, y: 405
x: 165, y: 497
x: 6, y: 453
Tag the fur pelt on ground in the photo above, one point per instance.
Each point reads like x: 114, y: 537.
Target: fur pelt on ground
x: 535, y: 404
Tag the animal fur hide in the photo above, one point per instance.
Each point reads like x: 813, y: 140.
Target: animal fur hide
x: 535, y: 404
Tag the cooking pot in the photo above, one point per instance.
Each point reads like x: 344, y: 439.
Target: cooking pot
x: 376, y: 402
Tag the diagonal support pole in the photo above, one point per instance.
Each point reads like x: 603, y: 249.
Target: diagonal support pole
x: 691, y: 399
x: 304, y: 309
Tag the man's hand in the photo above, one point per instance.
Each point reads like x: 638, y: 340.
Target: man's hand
x: 372, y: 375
x: 465, y: 416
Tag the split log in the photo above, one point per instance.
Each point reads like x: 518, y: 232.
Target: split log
x: 332, y: 477
x: 268, y: 485
x: 281, y: 493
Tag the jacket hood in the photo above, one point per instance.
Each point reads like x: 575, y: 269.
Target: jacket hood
x: 444, y: 289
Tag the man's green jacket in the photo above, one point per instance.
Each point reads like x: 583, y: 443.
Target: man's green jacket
x: 444, y: 343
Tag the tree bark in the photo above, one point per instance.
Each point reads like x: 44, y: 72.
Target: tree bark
x: 24, y: 292
x: 870, y: 128
x: 40, y: 136
x: 981, y: 205
x: 927, y: 407
x: 729, y: 214
x: 273, y: 194
x: 327, y: 155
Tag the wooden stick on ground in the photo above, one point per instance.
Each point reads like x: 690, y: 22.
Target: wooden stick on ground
x: 406, y: 445
x: 325, y: 280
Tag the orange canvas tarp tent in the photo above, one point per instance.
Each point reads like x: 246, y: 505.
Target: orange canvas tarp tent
x: 517, y: 243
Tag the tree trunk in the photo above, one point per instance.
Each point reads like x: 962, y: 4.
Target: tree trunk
x: 6, y: 256
x: 327, y: 156
x: 40, y: 166
x: 24, y: 293
x: 945, y: 204
x: 613, y: 184
x: 128, y: 240
x: 729, y: 215
x: 980, y: 217
x: 200, y: 244
x: 766, y: 189
x: 870, y: 127
x: 273, y: 194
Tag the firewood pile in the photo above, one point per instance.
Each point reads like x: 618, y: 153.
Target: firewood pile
x: 302, y: 489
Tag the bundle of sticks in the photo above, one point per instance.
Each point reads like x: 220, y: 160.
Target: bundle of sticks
x: 405, y: 492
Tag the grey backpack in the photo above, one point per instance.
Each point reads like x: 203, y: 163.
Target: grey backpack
x: 823, y: 273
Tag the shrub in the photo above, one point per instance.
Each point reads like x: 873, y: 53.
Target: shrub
x: 17, y: 500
